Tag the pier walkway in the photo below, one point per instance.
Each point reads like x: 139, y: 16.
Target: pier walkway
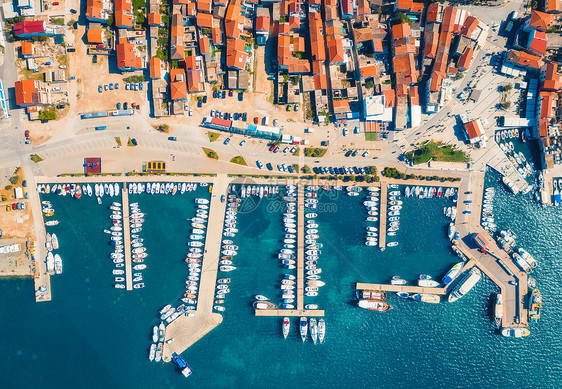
x: 496, y: 264
x: 383, y: 216
x: 127, y: 238
x: 300, y: 247
x: 401, y: 288
x: 290, y: 312
x: 187, y: 330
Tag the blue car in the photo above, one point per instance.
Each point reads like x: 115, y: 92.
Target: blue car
x: 140, y: 85
x: 100, y: 88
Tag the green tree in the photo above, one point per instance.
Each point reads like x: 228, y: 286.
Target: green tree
x: 401, y: 17
x: 370, y: 83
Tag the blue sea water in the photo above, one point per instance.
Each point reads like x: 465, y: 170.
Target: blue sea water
x: 95, y: 336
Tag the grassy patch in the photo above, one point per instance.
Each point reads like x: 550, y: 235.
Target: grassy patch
x: 371, y: 136
x: 35, y: 158
x: 62, y: 59
x: 314, y: 152
x: 118, y: 140
x: 239, y: 160
x: 210, y: 153
x: 438, y: 152
x: 213, y: 136
x: 296, y: 153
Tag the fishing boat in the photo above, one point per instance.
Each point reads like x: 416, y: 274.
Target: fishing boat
x: 515, y: 332
x: 452, y: 273
x: 427, y: 298
x: 396, y: 280
x: 465, y: 285
x: 535, y: 305
x: 498, y: 313
x: 263, y: 305
x: 51, y: 223
x: 303, y: 328
x: 374, y: 305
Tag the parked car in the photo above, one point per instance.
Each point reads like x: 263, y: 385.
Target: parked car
x: 275, y: 122
x: 256, y: 120
x: 106, y: 87
x: 285, y: 149
x: 243, y: 142
x: 118, y: 105
x: 215, y: 94
x: 230, y: 93
x: 172, y: 138
x: 100, y: 88
x: 272, y: 148
x: 291, y: 169
x: 111, y: 86
x: 293, y: 150
x: 140, y: 85
x: 116, y: 85
x: 26, y: 133
x: 244, y: 116
x: 204, y: 99
x: 227, y: 141
x: 240, y: 96
x: 354, y: 154
x: 57, y: 89
x: 276, y: 149
x: 134, y: 141
x: 127, y: 86
x: 190, y: 112
x: 199, y: 103
x: 365, y: 154
x: 136, y: 86
x: 288, y: 107
x: 296, y: 107
x: 259, y: 164
x: 94, y: 58
x: 345, y: 132
x: 125, y: 105
x: 73, y: 11
x: 212, y: 113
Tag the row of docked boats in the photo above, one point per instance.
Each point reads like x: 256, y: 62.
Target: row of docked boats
x: 255, y: 190
x: 394, y: 206
x: 138, y: 251
x: 518, y: 159
x: 162, y: 187
x: 312, y: 248
x: 371, y: 204
x: 48, y: 210
x: 487, y: 219
x: 228, y: 249
x: 424, y: 192
x: 53, y: 260
x: 317, y: 329
x: 524, y: 260
x: 288, y: 253
x: 157, y: 346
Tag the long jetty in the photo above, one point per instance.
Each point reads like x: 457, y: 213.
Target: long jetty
x: 300, y: 248
x: 186, y: 330
x: 127, y: 239
x: 383, y: 216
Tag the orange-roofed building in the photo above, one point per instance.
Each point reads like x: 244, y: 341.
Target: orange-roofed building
x: 436, y: 81
x: 216, y: 34
x: 474, y: 130
x: 262, y: 24
x: 155, y: 68
x: 231, y: 29
x: 94, y: 12
x: 551, y: 78
x: 195, y: 81
x: 408, y: 6
x: 178, y: 90
x: 368, y: 71
x: 363, y: 34
x: 126, y: 57
x: 236, y: 59
x: 204, y: 20
x: 401, y: 30
x: 469, y: 26
x: 335, y: 49
x: 317, y: 68
x: 431, y: 42
x: 538, y: 21
x: 547, y: 104
x: 536, y: 44
x: 414, y: 96
x: 284, y: 29
x: 405, y: 68
x: 552, y: 6
x: 26, y: 49
x: 434, y: 13
x: 389, y: 98
x: 26, y: 93
x: 377, y: 45
x: 205, y: 6
x: 95, y: 35
x: 320, y: 82
x: 449, y: 15
x: 154, y: 19
x: 543, y: 127
x: 464, y: 61
x: 524, y: 60
x: 294, y: 22
x: 318, y: 52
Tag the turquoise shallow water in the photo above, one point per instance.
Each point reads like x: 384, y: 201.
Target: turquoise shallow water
x: 98, y: 336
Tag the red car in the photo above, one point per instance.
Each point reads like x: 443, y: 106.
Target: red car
x: 27, y: 133
x: 272, y: 148
x: 256, y: 120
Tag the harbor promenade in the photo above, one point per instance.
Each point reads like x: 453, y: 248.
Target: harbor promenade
x: 401, y: 288
x: 382, y: 216
x: 186, y: 330
x: 127, y: 239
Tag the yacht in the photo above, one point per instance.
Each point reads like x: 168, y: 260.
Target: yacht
x: 396, y: 280
x: 465, y: 285
x: 452, y: 273
x: 498, y: 313
x: 303, y: 328
x: 313, y: 330
x: 286, y: 327
x: 152, y: 352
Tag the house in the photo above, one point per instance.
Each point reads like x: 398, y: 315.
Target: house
x: 29, y: 29
x: 204, y: 48
x: 123, y: 14
x: 31, y: 93
x: 155, y: 68
x: 524, y: 60
x: 154, y: 19
x: 95, y: 11
x: 236, y: 54
x: 475, y: 131
x: 346, y: 7
x: 538, y: 21
x: 262, y: 29
x: 178, y: 87
x: 552, y: 6
x: 94, y: 36
x: 127, y: 59
x: 550, y: 78
x: 464, y: 61
x: 408, y: 6
x: 26, y: 49
x: 536, y: 43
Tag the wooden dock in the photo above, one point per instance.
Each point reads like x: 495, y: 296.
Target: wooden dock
x: 300, y: 247
x: 127, y: 239
x: 382, y: 215
x: 290, y: 312
x: 401, y: 288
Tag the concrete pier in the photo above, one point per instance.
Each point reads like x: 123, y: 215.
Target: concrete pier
x: 187, y: 330
x: 127, y: 239
x: 383, y: 216
x: 401, y: 288
x: 290, y: 312
x: 300, y: 247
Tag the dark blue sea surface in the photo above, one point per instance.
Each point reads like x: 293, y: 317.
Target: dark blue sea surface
x: 92, y: 335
